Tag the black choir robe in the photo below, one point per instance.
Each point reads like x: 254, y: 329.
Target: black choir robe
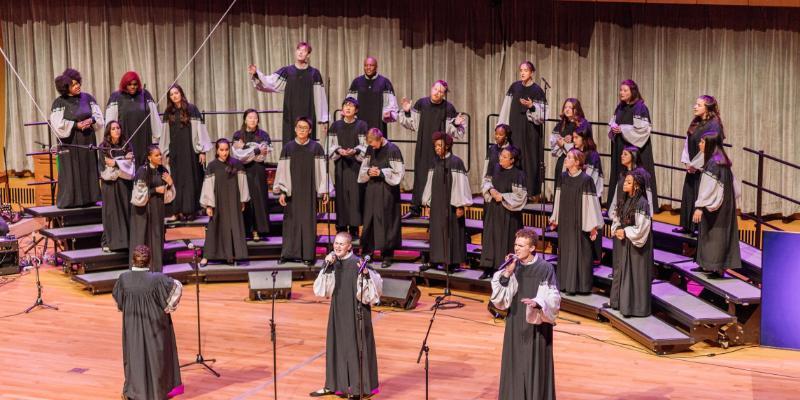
x: 617, y: 250
x: 147, y: 213
x: 301, y: 177
x: 149, y: 350
x: 564, y: 130
x: 224, y: 190
x: 349, y: 193
x: 634, y: 120
x: 718, y: 241
x: 444, y: 192
x: 526, y: 129
x: 183, y: 144
x: 375, y: 97
x: 576, y: 210
x: 303, y: 96
x: 252, y: 149
x: 77, y: 167
x: 527, y: 368
x: 692, y: 156
x: 493, y: 157
x: 345, y: 286
x: 116, y: 187
x: 633, y: 266
x: 594, y: 168
x: 501, y: 220
x: 382, y: 199
x: 424, y: 119
x: 131, y: 112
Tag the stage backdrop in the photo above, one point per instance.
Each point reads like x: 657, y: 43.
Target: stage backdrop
x: 748, y: 57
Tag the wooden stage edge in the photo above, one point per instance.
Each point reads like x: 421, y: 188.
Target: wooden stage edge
x: 74, y: 353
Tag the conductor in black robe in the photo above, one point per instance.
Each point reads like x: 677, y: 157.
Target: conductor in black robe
x: 300, y: 178
x: 504, y: 197
x: 375, y: 95
x: 303, y: 92
x: 76, y: 119
x: 381, y: 172
x: 633, y: 266
x: 149, y: 351
x: 224, y: 195
x: 152, y: 189
x: 117, y: 170
x: 429, y: 115
x: 133, y: 106
x: 447, y: 193
x: 346, y: 139
x: 252, y: 146
x: 528, y: 289
x: 524, y: 108
x: 350, y: 292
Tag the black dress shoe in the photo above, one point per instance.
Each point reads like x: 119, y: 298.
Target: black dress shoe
x: 606, y: 305
x: 680, y: 230
x: 697, y: 269
x: 281, y: 261
x: 386, y: 263
x: 410, y: 214
x: 424, y: 267
x: 487, y: 274
x: 320, y: 393
x: 308, y: 263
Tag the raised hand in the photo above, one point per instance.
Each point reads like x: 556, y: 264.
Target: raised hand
x: 460, y: 119
x: 405, y: 103
x: 252, y: 69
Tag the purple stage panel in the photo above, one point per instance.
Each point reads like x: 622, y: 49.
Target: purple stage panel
x: 780, y: 293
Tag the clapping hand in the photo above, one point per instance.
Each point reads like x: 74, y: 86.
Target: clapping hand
x: 526, y: 102
x: 460, y: 119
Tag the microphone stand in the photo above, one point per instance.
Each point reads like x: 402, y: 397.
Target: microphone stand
x: 39, y: 302
x: 425, y: 349
x: 542, y: 169
x: 273, y: 336
x: 361, y: 336
x: 199, y: 359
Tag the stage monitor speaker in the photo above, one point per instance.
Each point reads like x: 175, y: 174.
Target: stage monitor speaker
x: 260, y: 284
x: 400, y: 293
x: 9, y: 256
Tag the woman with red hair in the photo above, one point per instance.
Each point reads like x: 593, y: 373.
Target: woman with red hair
x: 134, y: 108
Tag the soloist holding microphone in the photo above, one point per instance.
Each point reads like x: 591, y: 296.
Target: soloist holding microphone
x: 528, y: 288
x: 340, y: 280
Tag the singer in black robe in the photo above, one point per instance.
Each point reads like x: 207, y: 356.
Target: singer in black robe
x: 344, y: 286
x: 116, y: 187
x: 382, y: 228
x: 527, y: 368
x: 526, y: 127
x: 77, y: 166
x: 300, y: 178
x: 633, y: 265
x: 375, y: 95
x: 147, y: 210
x: 501, y: 219
x: 135, y: 111
x: 348, y: 135
x: 693, y: 157
x: 252, y: 149
x: 425, y: 118
x: 564, y: 131
x: 224, y: 192
x: 633, y: 119
x: 149, y: 351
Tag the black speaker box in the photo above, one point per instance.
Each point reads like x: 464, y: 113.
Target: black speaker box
x: 260, y: 284
x: 400, y: 293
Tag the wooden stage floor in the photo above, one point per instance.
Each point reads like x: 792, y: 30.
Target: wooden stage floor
x: 74, y: 353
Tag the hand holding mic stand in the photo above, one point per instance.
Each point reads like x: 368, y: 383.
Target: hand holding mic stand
x: 361, y: 335
x: 199, y: 359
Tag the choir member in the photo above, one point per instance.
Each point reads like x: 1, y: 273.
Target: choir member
x: 351, y: 359
x: 631, y: 125
x: 715, y: 210
x: 375, y: 95
x: 524, y: 110
x: 572, y: 119
x: 116, y: 186
x: 346, y: 138
x: 76, y: 119
x: 152, y: 189
x: 149, y: 351
x: 447, y: 193
x: 528, y: 289
x: 429, y: 115
x: 501, y: 134
x: 133, y: 106
x: 583, y: 141
x: 630, y: 287
x: 706, y: 119
x: 300, y: 178
x: 184, y: 141
x: 577, y: 216
x: 224, y: 195
x: 381, y: 171
x: 252, y: 146
x: 303, y: 91
x: 504, y: 197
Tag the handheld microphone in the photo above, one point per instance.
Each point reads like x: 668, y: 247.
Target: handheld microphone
x: 364, y: 263
x: 326, y: 266
x: 508, y: 262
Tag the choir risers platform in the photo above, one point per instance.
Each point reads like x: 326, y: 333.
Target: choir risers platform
x: 239, y: 272
x: 94, y: 259
x: 53, y: 212
x: 651, y: 332
x: 103, y: 282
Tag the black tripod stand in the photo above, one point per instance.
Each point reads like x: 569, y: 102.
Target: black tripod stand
x: 362, y: 335
x: 425, y: 349
x: 39, y: 302
x: 273, y: 336
x: 199, y: 360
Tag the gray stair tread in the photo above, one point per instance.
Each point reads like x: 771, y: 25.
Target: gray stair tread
x: 69, y: 232
x: 53, y: 211
x: 472, y: 274
x: 732, y: 289
x: 98, y: 253
x: 651, y: 327
x: 257, y: 265
x: 750, y: 255
x: 103, y: 276
x: 689, y: 305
